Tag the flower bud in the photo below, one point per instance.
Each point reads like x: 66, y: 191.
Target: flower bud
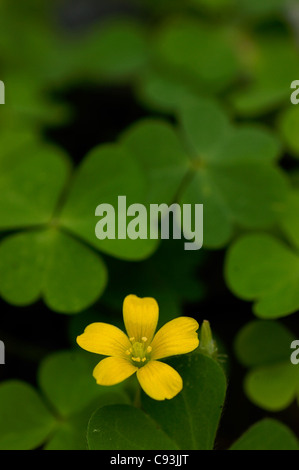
x: 207, y: 345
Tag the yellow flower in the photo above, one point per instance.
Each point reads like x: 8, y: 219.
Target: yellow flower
x: 140, y: 350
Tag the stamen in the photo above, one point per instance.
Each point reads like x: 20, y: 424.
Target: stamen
x: 136, y: 359
x: 132, y: 339
x: 139, y: 351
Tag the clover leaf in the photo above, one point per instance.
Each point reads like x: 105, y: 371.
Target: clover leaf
x: 25, y: 420
x: 55, y: 258
x: 56, y: 415
x: 92, y: 185
x: 289, y: 222
x: 50, y: 264
x: 29, y: 105
x: 156, y: 145
x: 267, y: 434
x: 235, y: 175
x: 231, y: 170
x: 162, y: 91
x: 272, y: 381
x: 29, y: 169
x: 124, y: 427
x: 261, y: 268
x: 213, y: 64
x: 268, y: 84
x: 288, y: 123
x: 116, y: 48
x: 188, y: 421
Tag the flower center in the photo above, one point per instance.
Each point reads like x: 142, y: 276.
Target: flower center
x: 139, y: 352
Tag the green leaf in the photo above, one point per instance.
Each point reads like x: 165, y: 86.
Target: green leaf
x: 272, y: 387
x: 213, y: 65
x: 25, y: 422
x: 188, y: 421
x: 70, y: 433
x: 65, y: 377
x: 261, y: 268
x: 235, y: 175
x: 290, y: 221
x: 217, y: 224
x: 268, y: 86
x: 272, y: 381
x: 123, y: 427
x: 259, y: 9
x: 205, y: 127
x: 249, y: 143
x: 58, y: 419
x: 155, y: 144
x: 107, y: 172
x: 114, y: 49
x: 288, y: 124
x: 267, y: 434
x: 52, y: 265
x: 262, y: 342
x: 164, y: 91
x: 29, y: 105
x: 215, y: 6
x: 32, y: 178
x: 192, y: 417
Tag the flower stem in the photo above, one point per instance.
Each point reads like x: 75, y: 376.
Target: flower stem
x: 137, y: 398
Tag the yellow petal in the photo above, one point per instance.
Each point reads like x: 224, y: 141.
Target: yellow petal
x: 159, y: 380
x: 178, y: 336
x: 102, y: 338
x: 113, y: 370
x: 140, y: 317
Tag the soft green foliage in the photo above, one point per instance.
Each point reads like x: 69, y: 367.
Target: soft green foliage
x: 29, y: 168
x: 188, y: 421
x: 124, y: 427
x: 78, y: 213
x: 290, y: 220
x: 60, y: 259
x: 36, y: 264
x: 288, y: 123
x: 272, y: 381
x: 191, y: 419
x: 116, y: 51
x: 213, y: 66
x: 209, y: 164
x: 236, y: 186
x: 56, y: 416
x: 26, y: 421
x: 267, y: 434
x: 261, y: 268
x: 269, y: 85
x: 156, y: 145
x: 207, y: 119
